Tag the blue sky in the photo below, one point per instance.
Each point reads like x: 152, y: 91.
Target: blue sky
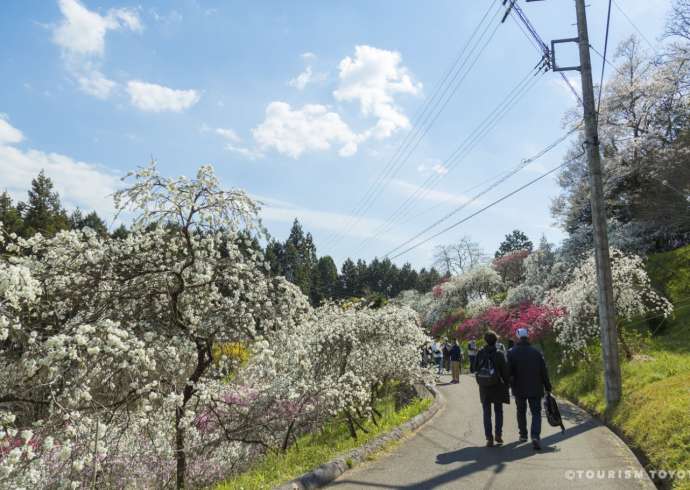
x: 300, y: 103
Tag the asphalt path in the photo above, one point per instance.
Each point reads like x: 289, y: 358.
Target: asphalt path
x: 449, y: 452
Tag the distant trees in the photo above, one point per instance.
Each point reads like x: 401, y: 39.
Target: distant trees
x: 458, y: 257
x: 515, y: 241
x: 295, y: 259
x: 318, y: 277
x: 43, y: 213
x: 645, y: 144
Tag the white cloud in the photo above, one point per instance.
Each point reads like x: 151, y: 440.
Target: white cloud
x: 8, y: 133
x: 93, y: 82
x: 305, y: 78
x: 157, y: 98
x: 228, y: 134
x: 81, y: 37
x: 308, y: 56
x: 408, y: 189
x: 432, y: 166
x: 247, y: 153
x: 323, y: 220
x: 234, y: 141
x: 80, y: 184
x: 373, y: 77
x: 311, y: 128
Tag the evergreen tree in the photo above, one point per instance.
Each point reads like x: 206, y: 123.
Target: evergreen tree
x: 43, y: 211
x: 120, y: 233
x: 299, y: 258
x: 93, y: 221
x: 275, y: 256
x: 347, y: 279
x: 407, y: 279
x: 514, y: 242
x: 10, y: 217
x: 324, y: 280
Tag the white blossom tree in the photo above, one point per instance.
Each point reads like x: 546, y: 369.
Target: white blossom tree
x: 633, y: 294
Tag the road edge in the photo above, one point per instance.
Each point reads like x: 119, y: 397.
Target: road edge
x: 328, y: 472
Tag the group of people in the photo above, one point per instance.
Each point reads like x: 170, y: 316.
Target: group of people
x: 445, y: 357
x: 522, y: 369
x: 519, y: 368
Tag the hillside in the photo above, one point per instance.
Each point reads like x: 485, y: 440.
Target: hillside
x: 656, y: 381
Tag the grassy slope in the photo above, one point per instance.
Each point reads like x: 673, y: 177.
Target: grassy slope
x: 316, y: 449
x: 655, y: 412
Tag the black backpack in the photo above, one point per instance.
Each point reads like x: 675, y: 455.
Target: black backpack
x: 553, y: 414
x: 486, y: 373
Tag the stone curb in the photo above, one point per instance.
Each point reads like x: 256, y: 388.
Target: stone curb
x: 326, y: 473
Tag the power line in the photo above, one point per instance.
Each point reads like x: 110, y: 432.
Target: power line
x: 523, y: 164
x: 603, y: 60
x: 497, y: 201
x: 516, y: 11
x: 426, y: 116
x: 464, y: 149
x: 634, y: 26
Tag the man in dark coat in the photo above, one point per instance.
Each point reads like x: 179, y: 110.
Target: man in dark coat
x: 529, y: 380
x: 495, y: 395
x: 455, y: 361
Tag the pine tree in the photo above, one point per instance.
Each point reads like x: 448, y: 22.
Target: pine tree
x: 325, y: 280
x: 120, y: 233
x: 44, y: 213
x: 514, y: 242
x: 10, y: 217
x: 347, y: 279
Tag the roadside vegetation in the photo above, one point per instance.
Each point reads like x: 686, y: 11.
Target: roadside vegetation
x: 317, y: 448
x: 654, y: 415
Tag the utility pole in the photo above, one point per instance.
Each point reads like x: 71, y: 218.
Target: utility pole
x: 607, y: 311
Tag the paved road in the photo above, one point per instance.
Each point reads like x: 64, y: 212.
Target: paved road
x: 448, y: 452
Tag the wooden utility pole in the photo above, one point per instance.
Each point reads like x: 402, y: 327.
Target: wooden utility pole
x: 607, y: 309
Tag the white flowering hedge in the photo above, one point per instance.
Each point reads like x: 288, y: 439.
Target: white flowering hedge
x: 108, y: 376
x: 633, y: 294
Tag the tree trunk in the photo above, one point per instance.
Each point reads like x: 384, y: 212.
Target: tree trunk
x: 351, y: 426
x: 180, y: 455
x: 287, y: 436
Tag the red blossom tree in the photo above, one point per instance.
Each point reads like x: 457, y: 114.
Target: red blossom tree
x: 511, y: 266
x: 505, y: 321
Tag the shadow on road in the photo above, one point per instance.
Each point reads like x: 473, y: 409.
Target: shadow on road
x: 482, y: 458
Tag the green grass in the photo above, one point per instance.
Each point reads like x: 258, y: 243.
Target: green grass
x: 654, y: 414
x: 315, y: 449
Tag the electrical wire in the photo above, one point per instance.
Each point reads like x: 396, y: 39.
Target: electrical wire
x: 460, y: 153
x: 603, y: 61
x: 523, y: 164
x: 492, y: 204
x: 428, y: 115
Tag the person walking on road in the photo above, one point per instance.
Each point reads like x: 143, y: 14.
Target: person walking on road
x: 529, y: 380
x: 455, y: 361
x: 493, y: 375
x: 437, y: 353
x: 472, y: 353
x: 446, y: 356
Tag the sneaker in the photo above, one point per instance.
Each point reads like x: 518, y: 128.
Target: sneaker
x: 490, y: 442
x: 523, y: 439
x: 499, y: 440
x: 536, y: 445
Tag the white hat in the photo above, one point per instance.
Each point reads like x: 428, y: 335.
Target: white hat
x: 522, y: 333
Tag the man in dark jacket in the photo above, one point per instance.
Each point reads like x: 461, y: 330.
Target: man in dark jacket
x: 496, y: 394
x: 455, y: 360
x: 529, y: 380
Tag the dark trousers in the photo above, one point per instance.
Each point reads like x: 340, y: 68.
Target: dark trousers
x: 472, y: 359
x: 498, y: 412
x: 535, y: 409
